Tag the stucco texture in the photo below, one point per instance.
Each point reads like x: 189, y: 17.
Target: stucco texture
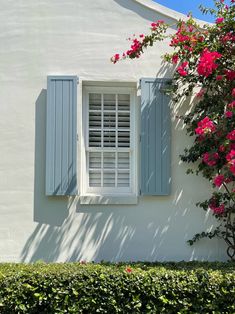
x: 40, y: 38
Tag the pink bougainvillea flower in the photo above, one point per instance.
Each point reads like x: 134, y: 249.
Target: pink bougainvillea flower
x: 210, y: 158
x: 128, y: 270
x: 181, y: 69
x: 219, y: 77
x: 205, y: 126
x: 219, y: 210
x: 231, y: 135
x: 231, y: 105
x: 218, y: 180
x: 230, y: 75
x: 228, y: 114
x: 156, y: 24
x: 219, y: 20
x: 200, y: 93
x: 207, y: 63
x: 233, y: 92
x: 175, y: 59
x: 231, y: 155
x: 222, y: 148
x: 115, y: 58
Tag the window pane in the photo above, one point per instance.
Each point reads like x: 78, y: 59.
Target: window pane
x: 109, y: 102
x: 123, y: 161
x: 94, y: 160
x: 109, y: 179
x: 123, y: 102
x: 110, y: 120
x: 123, y: 138
x: 94, y: 178
x: 109, y: 160
x: 123, y: 179
x: 94, y: 120
x: 94, y: 138
x: 123, y: 120
x: 109, y: 139
x: 94, y: 101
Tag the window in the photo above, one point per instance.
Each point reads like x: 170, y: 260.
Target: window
x: 109, y: 162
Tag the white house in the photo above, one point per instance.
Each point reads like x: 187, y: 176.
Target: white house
x: 89, y: 166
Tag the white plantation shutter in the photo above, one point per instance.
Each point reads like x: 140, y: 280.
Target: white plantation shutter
x: 109, y: 149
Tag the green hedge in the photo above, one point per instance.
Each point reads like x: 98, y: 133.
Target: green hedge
x: 117, y: 288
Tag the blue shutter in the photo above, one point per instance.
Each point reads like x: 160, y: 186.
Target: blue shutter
x: 61, y: 135
x: 155, y: 138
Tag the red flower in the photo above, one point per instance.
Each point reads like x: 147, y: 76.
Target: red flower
x: 210, y: 158
x: 115, y: 58
x: 207, y: 63
x: 219, y: 77
x: 230, y: 75
x: 181, y: 69
x: 218, y: 180
x: 222, y: 148
x: 205, y: 126
x: 175, y: 59
x: 219, y: 20
x: 231, y: 135
x: 128, y: 270
x: 200, y: 93
x: 219, y: 210
x: 228, y: 114
x: 231, y: 155
x: 231, y: 105
x: 233, y: 92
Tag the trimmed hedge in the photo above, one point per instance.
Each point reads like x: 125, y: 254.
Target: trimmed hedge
x: 117, y: 288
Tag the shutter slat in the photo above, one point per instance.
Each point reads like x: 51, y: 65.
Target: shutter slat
x: 155, y: 138
x: 61, y: 135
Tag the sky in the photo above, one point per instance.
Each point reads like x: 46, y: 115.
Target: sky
x: 186, y: 6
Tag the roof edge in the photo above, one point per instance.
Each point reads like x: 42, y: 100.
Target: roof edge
x: 150, y: 4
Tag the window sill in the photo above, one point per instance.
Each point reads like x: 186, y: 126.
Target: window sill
x: 90, y: 199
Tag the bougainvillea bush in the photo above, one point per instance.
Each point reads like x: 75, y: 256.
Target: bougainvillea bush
x: 204, y: 57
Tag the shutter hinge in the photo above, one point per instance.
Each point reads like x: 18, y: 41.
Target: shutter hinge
x: 140, y: 191
x: 140, y: 137
x: 77, y: 137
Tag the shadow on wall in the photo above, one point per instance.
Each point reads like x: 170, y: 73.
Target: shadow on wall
x: 155, y: 229
x: 145, y: 13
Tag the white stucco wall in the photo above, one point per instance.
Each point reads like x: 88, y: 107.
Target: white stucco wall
x: 78, y: 37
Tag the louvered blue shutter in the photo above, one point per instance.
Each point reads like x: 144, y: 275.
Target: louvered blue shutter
x: 155, y: 138
x: 61, y: 135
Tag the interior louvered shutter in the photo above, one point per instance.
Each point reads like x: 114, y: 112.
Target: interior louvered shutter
x: 61, y: 136
x: 109, y: 137
x: 155, y: 138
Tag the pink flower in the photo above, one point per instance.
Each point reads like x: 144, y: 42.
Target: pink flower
x: 219, y: 20
x: 228, y: 114
x: 115, y: 58
x: 231, y: 105
x: 181, y: 69
x: 207, y: 63
x: 218, y: 180
x: 230, y: 75
x: 231, y: 135
x: 175, y: 59
x: 219, y: 77
x: 210, y: 158
x: 205, y: 126
x: 219, y: 210
x: 156, y: 24
x: 222, y: 148
x: 200, y: 93
x: 233, y: 92
x: 231, y: 155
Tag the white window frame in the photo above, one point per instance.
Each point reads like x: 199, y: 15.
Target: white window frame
x: 108, y: 193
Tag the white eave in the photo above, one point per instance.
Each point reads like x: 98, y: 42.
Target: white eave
x: 150, y: 4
